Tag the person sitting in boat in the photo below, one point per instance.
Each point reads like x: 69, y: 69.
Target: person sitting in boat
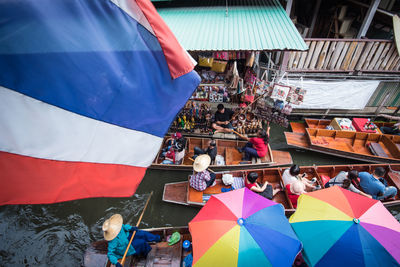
x: 395, y: 129
x: 256, y: 147
x: 265, y: 190
x: 222, y: 120
x: 202, y: 178
x: 118, y: 236
x: 375, y: 185
x: 176, y: 137
x: 211, y: 151
x: 294, y: 190
x: 175, y: 155
x: 292, y: 174
x: 343, y: 177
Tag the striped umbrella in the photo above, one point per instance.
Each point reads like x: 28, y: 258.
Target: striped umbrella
x: 341, y: 228
x: 242, y: 228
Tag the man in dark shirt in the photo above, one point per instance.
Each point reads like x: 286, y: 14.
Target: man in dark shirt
x: 222, y: 120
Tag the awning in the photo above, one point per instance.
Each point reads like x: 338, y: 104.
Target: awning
x: 221, y: 25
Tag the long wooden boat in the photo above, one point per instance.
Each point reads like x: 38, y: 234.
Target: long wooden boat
x: 375, y: 148
x: 228, y: 150
x: 161, y: 255
x: 181, y: 193
x: 300, y: 127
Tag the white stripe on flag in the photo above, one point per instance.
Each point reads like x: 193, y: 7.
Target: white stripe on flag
x: 133, y: 10
x: 33, y: 128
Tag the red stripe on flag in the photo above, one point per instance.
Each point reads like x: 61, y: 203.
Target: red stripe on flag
x: 27, y: 180
x: 178, y: 61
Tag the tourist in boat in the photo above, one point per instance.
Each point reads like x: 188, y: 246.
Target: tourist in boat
x: 222, y: 120
x: 211, y: 150
x: 175, y: 154
x: 395, y: 129
x: 175, y: 137
x: 343, y: 178
x: 294, y: 190
x: 256, y: 147
x: 292, y: 174
x: 265, y: 190
x: 375, y: 185
x: 118, y: 236
x: 202, y: 178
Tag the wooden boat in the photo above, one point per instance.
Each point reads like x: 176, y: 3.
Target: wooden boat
x: 227, y: 149
x: 300, y: 127
x: 182, y: 193
x: 161, y: 254
x: 375, y: 148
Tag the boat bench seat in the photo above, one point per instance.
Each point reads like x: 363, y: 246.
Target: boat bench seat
x: 377, y: 150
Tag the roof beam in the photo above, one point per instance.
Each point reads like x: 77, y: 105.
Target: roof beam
x: 368, y: 18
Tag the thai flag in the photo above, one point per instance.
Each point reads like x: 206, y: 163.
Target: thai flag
x: 88, y: 88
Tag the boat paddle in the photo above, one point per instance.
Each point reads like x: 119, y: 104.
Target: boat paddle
x: 134, y: 232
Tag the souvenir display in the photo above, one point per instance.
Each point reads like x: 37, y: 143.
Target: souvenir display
x: 194, y: 117
x: 296, y: 95
x: 280, y: 92
x: 246, y: 122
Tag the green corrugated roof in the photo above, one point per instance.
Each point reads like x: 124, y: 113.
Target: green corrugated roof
x: 249, y: 25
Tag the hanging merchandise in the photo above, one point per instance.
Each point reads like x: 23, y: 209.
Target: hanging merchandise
x: 296, y: 95
x: 219, y: 66
x: 280, y: 92
x: 250, y: 59
x: 205, y: 61
x: 221, y: 55
x: 287, y: 109
x: 261, y: 86
x: 235, y: 76
x: 278, y: 105
x: 240, y: 88
x: 250, y: 77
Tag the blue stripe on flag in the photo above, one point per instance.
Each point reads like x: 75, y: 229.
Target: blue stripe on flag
x: 91, y: 58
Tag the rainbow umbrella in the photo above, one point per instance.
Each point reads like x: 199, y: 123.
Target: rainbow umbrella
x: 341, y: 228
x: 242, y: 228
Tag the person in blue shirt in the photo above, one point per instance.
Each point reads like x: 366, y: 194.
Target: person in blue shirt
x: 375, y: 185
x: 118, y: 236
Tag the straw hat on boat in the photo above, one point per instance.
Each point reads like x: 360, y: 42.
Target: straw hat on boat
x: 201, y: 163
x: 297, y: 188
x: 112, y: 226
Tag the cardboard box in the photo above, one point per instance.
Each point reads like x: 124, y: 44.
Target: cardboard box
x: 342, y: 124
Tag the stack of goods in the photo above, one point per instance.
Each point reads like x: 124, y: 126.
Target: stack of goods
x: 194, y: 117
x: 364, y: 125
x: 277, y: 103
x: 245, y: 122
x: 212, y: 93
x: 342, y: 124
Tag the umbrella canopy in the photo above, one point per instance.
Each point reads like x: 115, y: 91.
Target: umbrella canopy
x: 242, y: 228
x: 340, y: 228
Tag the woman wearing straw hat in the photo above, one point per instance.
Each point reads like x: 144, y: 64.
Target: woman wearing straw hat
x: 118, y: 236
x: 201, y: 178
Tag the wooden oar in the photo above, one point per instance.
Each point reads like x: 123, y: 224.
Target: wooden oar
x: 207, y: 168
x: 134, y: 232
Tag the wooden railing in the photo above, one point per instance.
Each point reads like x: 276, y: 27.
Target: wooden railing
x: 344, y: 55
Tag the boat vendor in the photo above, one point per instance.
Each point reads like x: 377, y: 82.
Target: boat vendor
x: 211, y: 150
x: 118, y: 236
x: 202, y: 178
x: 375, y: 185
x: 340, y: 180
x: 222, y: 120
x: 391, y: 130
x: 175, y: 154
x: 292, y: 174
x: 265, y: 190
x: 256, y: 147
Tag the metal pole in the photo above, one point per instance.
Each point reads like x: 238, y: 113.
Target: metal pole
x: 314, y: 19
x: 289, y: 7
x: 368, y: 18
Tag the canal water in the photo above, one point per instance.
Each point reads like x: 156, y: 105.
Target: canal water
x: 58, y: 234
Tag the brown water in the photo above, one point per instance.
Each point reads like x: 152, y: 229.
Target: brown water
x: 58, y: 234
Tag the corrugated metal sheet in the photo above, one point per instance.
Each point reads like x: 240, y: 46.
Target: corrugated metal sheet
x: 384, y: 88
x: 248, y: 25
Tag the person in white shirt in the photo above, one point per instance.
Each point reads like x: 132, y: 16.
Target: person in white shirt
x: 291, y: 175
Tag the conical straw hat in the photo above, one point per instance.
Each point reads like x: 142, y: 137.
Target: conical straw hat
x: 201, y: 163
x: 112, y: 226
